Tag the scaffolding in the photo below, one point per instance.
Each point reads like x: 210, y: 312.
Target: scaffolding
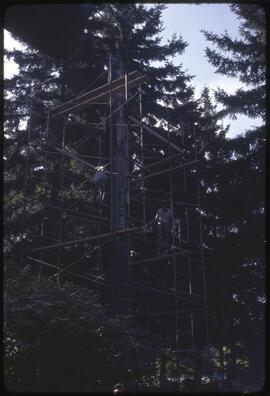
x: 140, y: 266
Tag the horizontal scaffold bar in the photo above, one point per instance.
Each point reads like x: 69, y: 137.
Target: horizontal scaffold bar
x: 91, y: 238
x: 94, y: 279
x: 100, y: 93
x: 161, y: 162
x: 167, y: 256
x: 150, y: 130
x: 75, y: 212
x: 173, y: 168
x: 146, y: 314
x: 76, y: 158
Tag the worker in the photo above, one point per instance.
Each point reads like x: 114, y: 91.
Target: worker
x: 177, y: 231
x: 101, y: 183
x: 164, y: 219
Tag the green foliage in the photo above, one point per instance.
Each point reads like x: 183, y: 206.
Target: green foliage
x: 140, y: 28
x: 234, y: 195
x: 243, y: 58
x: 59, y: 338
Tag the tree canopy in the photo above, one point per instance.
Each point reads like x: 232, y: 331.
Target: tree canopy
x: 59, y: 335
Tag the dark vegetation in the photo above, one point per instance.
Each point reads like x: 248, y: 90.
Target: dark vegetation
x: 58, y: 336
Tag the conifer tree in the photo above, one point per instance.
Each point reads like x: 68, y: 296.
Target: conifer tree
x: 243, y: 58
x: 40, y: 84
x: 21, y: 160
x: 211, y: 143
x: 241, y: 186
x: 108, y: 28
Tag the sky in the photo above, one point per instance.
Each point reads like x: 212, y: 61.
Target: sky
x: 188, y: 20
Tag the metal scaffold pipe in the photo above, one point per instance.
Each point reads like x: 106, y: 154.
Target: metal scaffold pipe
x: 108, y: 232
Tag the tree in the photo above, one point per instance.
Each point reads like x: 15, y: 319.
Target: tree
x: 107, y: 25
x: 31, y: 174
x: 134, y: 31
x: 142, y: 28
x: 245, y: 59
x: 19, y: 147
x: 60, y: 338
x: 240, y: 189
x: 212, y: 140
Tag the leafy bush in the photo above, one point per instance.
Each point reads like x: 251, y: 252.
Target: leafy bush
x: 59, y: 338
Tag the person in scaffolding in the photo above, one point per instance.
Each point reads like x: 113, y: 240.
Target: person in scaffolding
x: 177, y: 231
x: 164, y: 219
x: 101, y: 179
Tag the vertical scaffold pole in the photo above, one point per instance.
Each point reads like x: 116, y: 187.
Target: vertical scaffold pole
x: 26, y: 176
x: 111, y: 143
x: 59, y: 254
x: 43, y: 220
x: 61, y: 170
x: 127, y: 151
x: 174, y: 268
x: 101, y: 138
x: 142, y: 159
x: 111, y: 168
x: 202, y: 255
x: 191, y: 314
x: 185, y: 194
x: 120, y: 154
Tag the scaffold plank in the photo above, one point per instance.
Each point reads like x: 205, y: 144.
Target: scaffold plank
x: 100, y: 93
x: 93, y: 92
